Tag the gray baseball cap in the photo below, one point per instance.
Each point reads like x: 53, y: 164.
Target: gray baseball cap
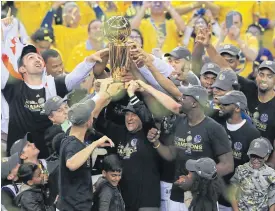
x: 230, y: 49
x: 225, y: 80
x: 80, y: 112
x: 210, y: 67
x: 259, y: 147
x: 8, y: 163
x: 180, y: 53
x: 234, y: 97
x: 199, y: 93
x: 204, y: 167
x: 53, y: 104
x: 269, y: 65
x: 191, y: 78
x: 19, y: 145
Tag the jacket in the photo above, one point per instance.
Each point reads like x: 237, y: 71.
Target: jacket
x: 32, y: 198
x: 107, y: 197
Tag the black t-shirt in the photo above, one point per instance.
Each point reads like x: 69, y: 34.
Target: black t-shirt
x: 75, y: 187
x: 207, y: 139
x: 240, y: 140
x: 140, y: 182
x: 262, y: 114
x: 25, y: 105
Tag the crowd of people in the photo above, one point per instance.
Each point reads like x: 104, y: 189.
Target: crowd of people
x: 190, y: 124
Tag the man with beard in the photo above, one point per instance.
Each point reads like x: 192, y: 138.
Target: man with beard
x: 195, y: 136
x: 261, y: 101
x: 239, y: 131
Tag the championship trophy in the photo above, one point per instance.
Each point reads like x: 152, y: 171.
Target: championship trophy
x: 117, y: 30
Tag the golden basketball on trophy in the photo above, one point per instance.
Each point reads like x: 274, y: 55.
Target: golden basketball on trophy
x: 117, y: 29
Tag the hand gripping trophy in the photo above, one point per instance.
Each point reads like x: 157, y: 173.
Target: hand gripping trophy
x: 117, y: 30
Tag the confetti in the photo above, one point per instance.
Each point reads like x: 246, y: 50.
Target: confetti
x: 46, y: 31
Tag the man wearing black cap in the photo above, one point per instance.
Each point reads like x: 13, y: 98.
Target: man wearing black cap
x: 27, y: 93
x: 261, y: 101
x: 232, y: 55
x: 195, y: 135
x: 240, y: 132
x: 208, y: 74
x: 140, y: 182
x: 75, y: 182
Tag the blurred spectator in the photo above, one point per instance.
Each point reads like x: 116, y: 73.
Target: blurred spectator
x: 88, y: 47
x: 43, y: 39
x: 245, y: 41
x: 19, y: 28
x: 156, y: 30
x: 26, y: 11
x: 264, y: 55
x: 68, y: 35
x: 54, y: 63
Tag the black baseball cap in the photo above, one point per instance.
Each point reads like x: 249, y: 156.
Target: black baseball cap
x: 204, y: 167
x: 26, y: 50
x: 234, y: 97
x: 180, y: 53
x: 225, y: 80
x: 211, y: 68
x: 269, y: 65
x: 199, y: 93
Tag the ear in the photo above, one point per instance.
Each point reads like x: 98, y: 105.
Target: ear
x: 23, y: 157
x: 51, y: 118
x: 30, y: 182
x: 266, y: 158
x: 237, y: 109
x: 22, y: 70
x: 104, y: 173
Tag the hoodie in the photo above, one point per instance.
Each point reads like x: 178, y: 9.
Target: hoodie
x: 32, y: 198
x: 107, y: 197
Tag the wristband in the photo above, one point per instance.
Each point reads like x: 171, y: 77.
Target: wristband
x: 155, y: 147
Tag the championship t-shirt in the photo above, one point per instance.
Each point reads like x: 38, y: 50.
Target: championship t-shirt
x: 262, y: 114
x: 25, y: 105
x: 207, y: 139
x: 75, y: 187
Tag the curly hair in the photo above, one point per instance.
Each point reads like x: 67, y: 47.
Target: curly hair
x: 206, y: 193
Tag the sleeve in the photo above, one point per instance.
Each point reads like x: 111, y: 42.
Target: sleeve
x: 235, y: 178
x: 70, y: 150
x: 60, y: 84
x: 271, y: 195
x: 150, y: 78
x: 29, y: 202
x: 80, y: 72
x: 219, y: 139
x: 48, y: 19
x: 105, y: 198
x: 163, y: 67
